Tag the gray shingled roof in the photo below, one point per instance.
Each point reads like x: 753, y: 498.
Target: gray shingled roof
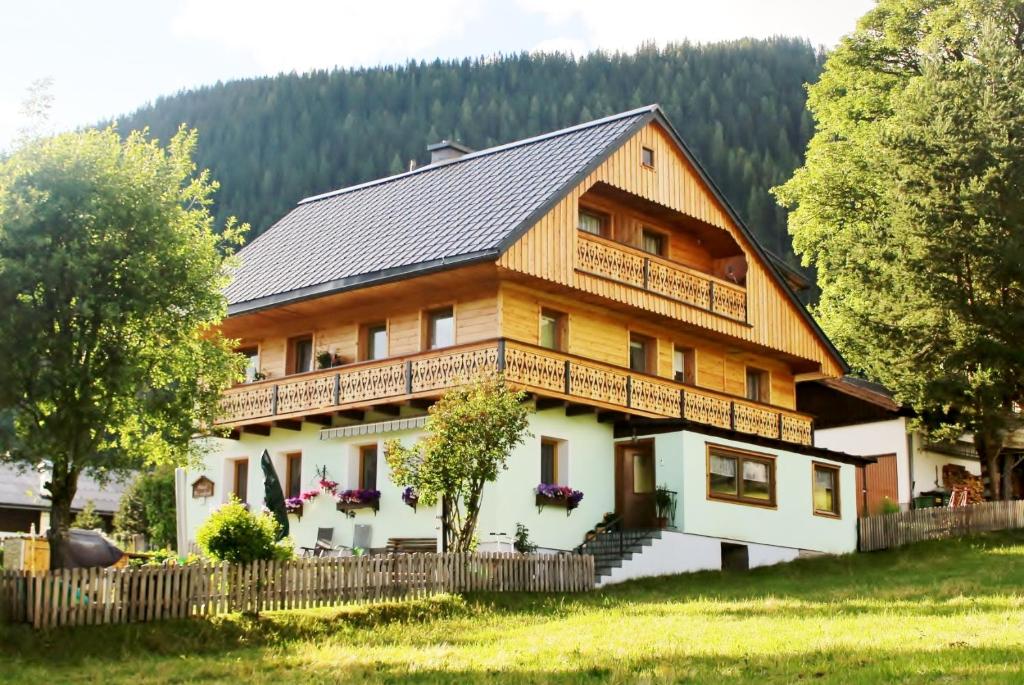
x: 440, y: 215
x: 23, y: 490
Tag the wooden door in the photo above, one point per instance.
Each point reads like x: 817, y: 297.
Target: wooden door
x: 876, y: 483
x: 635, y: 485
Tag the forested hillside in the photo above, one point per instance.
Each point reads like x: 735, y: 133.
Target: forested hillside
x: 272, y: 141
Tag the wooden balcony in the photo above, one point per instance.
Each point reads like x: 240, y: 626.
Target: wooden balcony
x: 535, y: 369
x: 630, y: 266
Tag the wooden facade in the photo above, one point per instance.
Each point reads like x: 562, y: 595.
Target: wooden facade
x: 548, y: 251
x: 668, y: 269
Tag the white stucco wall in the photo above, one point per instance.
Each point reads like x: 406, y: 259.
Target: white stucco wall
x: 873, y: 439
x: 682, y: 466
x: 678, y: 552
x: 928, y: 467
x: 917, y: 469
x: 586, y: 464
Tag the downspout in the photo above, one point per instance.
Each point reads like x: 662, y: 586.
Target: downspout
x: 910, y: 464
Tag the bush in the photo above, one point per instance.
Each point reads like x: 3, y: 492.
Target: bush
x: 232, y: 533
x: 88, y: 519
x: 147, y: 509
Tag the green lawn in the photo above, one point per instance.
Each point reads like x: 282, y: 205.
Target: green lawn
x: 948, y: 612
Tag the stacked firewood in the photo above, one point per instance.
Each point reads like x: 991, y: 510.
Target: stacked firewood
x: 956, y: 477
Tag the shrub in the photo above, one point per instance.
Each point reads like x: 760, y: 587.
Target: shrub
x: 88, y: 519
x: 232, y: 533
x: 147, y: 509
x: 522, y: 543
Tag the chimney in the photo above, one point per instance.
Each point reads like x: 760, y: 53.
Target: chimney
x: 446, y: 149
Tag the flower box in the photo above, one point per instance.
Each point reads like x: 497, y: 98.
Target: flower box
x: 410, y: 497
x: 351, y: 500
x: 293, y: 505
x: 557, y: 496
x: 351, y: 506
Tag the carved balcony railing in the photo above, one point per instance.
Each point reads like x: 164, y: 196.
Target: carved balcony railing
x: 627, y: 265
x: 539, y: 370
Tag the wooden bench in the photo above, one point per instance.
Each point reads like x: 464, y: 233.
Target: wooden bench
x: 410, y: 545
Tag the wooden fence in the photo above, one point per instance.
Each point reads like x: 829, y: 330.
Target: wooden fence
x: 152, y: 593
x: 905, y: 527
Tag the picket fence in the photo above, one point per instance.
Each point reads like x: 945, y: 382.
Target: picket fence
x: 152, y: 593
x: 932, y: 523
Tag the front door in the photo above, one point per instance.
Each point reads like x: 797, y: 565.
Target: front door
x: 635, y: 484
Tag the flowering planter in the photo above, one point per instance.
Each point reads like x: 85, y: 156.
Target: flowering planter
x: 350, y: 507
x: 557, y: 496
x: 295, y: 510
x: 544, y: 501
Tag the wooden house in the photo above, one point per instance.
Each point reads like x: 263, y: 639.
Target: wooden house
x: 597, y: 267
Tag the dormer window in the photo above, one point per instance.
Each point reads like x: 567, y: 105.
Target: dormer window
x: 594, y: 222
x: 647, y: 157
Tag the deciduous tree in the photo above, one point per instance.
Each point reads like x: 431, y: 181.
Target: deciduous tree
x: 470, y: 433
x: 110, y: 289
x: 911, y: 206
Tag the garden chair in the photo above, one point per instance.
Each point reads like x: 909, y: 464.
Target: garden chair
x: 361, y: 537
x: 324, y: 546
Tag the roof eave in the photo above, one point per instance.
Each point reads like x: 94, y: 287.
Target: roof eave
x: 360, y: 281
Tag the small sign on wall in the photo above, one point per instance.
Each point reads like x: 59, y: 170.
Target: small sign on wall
x: 202, y: 487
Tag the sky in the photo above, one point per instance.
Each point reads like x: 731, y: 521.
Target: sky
x: 107, y: 58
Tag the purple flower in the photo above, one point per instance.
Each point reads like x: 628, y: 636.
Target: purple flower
x: 358, y: 496
x: 572, y: 497
x: 410, y: 496
x: 293, y: 504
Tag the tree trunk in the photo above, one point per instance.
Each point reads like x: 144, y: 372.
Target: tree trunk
x: 1007, y: 477
x: 988, y: 448
x: 62, y: 489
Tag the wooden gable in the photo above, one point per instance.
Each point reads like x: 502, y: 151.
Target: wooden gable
x: 548, y: 251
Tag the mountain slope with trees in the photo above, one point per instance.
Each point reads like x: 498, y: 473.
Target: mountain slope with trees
x: 272, y: 141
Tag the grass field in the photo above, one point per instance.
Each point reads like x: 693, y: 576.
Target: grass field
x: 944, y: 612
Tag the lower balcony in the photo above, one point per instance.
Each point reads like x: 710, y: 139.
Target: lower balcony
x: 534, y: 369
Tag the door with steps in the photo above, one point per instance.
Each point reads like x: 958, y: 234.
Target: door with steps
x: 635, y: 485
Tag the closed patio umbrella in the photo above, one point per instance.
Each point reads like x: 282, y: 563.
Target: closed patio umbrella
x: 273, y: 495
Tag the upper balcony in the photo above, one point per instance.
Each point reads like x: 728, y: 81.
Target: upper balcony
x: 630, y: 266
x: 535, y: 369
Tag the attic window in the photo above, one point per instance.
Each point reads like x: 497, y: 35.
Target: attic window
x: 647, y: 157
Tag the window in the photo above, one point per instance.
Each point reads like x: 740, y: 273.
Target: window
x: 741, y: 476
x: 368, y: 467
x: 593, y: 222
x: 375, y: 341
x: 826, y: 490
x: 241, y: 477
x: 647, y: 156
x: 683, y: 366
x: 293, y: 474
x: 653, y: 242
x: 757, y: 385
x: 301, y: 354
x: 643, y: 473
x: 252, y: 365
x: 440, y: 328
x: 548, y: 461
x: 552, y: 329
x: 641, y: 353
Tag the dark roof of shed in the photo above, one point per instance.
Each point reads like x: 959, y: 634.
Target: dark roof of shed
x: 440, y: 215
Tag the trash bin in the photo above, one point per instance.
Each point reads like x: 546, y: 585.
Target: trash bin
x: 933, y: 498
